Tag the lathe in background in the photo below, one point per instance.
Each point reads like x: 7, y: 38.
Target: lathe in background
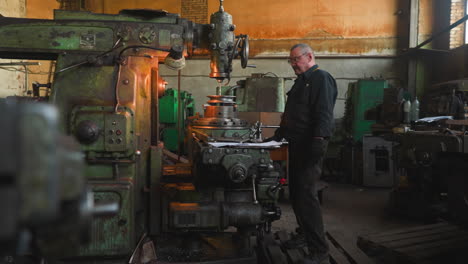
x: 361, y: 159
x: 261, y: 97
x: 429, y: 152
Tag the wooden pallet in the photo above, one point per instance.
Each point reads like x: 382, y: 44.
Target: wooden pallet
x: 343, y: 251
x: 436, y: 243
x: 339, y: 253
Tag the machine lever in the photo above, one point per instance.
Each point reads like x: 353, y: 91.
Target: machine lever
x: 253, y: 188
x: 106, y: 209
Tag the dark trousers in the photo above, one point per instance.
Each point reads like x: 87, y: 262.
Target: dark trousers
x: 305, y: 168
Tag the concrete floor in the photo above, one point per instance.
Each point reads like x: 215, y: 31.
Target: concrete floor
x: 349, y: 211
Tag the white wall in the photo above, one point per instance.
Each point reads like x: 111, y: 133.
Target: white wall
x: 345, y: 70
x: 12, y: 82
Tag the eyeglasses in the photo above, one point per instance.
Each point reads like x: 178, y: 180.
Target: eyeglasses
x: 296, y: 59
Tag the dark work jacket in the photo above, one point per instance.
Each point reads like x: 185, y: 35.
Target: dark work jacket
x: 309, y: 107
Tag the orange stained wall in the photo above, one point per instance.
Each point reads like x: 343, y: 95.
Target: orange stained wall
x: 41, y: 8
x: 426, y: 17
x: 356, y: 27
x: 331, y: 26
x: 266, y: 19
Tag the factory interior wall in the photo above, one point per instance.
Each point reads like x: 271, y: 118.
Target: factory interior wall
x: 194, y: 75
x: 442, y: 11
x: 12, y: 80
x: 41, y: 9
x: 426, y: 19
x: 439, y: 63
x: 353, y: 39
x: 452, y: 66
x: 333, y: 28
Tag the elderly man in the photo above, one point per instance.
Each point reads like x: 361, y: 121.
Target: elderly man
x: 307, y: 124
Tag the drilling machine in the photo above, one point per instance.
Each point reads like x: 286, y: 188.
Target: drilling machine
x: 106, y: 88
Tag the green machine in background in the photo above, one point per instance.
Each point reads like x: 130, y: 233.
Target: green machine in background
x: 173, y: 134
x: 260, y: 93
x: 260, y: 98
x: 363, y: 95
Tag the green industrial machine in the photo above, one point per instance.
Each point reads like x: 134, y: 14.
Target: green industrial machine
x: 107, y: 90
x: 43, y: 191
x: 172, y: 116
x: 362, y: 95
x: 260, y: 93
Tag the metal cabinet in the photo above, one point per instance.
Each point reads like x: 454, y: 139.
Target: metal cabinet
x: 378, y: 164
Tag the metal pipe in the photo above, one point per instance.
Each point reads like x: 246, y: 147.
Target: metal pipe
x: 179, y: 114
x: 19, y: 63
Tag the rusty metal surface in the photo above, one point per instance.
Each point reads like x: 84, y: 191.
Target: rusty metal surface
x: 177, y: 169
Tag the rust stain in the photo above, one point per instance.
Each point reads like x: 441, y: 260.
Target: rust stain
x: 295, y: 18
x: 41, y: 8
x: 330, y: 46
x: 331, y: 26
x: 357, y: 46
x: 426, y: 17
x: 321, y: 33
x: 323, y: 28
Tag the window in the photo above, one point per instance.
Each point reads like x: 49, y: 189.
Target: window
x: 457, y: 34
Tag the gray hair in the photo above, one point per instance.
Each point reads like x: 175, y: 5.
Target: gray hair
x: 304, y: 48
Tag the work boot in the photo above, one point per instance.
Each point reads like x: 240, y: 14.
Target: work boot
x: 299, y: 230
x: 297, y: 241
